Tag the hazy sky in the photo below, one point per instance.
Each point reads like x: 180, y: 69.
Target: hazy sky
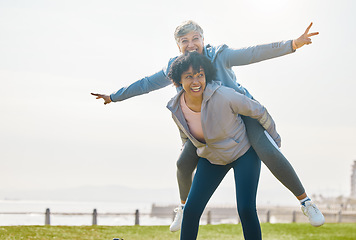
x: 54, y: 134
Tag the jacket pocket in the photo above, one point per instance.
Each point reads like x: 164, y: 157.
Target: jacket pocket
x: 226, y: 149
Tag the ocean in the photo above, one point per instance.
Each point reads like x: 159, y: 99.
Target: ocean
x: 11, y: 213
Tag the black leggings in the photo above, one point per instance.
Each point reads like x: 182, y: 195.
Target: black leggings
x: 208, y: 177
x: 266, y: 151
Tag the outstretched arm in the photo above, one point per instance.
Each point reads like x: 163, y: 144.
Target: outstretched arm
x: 143, y: 86
x: 253, y: 54
x: 304, y: 39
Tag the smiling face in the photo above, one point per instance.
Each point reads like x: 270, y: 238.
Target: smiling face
x: 193, y: 82
x: 190, y: 42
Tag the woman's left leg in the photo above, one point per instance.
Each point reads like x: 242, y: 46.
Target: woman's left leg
x: 207, y: 178
x: 281, y: 169
x: 247, y: 172
x: 276, y: 162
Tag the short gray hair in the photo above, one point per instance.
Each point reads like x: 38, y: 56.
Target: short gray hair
x: 187, y: 27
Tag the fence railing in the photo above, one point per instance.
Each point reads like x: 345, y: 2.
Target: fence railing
x: 208, y: 216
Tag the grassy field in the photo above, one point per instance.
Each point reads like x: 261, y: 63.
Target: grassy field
x: 222, y: 232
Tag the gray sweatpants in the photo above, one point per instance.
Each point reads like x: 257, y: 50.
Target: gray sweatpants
x: 269, y: 155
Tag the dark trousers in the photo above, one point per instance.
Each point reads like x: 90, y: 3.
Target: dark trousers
x: 208, y: 177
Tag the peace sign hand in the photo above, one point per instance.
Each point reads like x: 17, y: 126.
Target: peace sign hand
x: 304, y: 38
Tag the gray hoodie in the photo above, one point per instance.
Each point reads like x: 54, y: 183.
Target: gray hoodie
x: 224, y: 131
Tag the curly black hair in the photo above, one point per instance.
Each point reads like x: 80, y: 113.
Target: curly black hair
x: 194, y: 59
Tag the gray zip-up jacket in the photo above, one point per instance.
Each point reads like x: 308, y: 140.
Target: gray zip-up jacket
x: 223, y: 59
x: 224, y: 131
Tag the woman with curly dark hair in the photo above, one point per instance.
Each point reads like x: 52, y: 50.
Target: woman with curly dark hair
x: 209, y: 115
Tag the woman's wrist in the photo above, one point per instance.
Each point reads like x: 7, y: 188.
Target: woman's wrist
x: 294, y: 46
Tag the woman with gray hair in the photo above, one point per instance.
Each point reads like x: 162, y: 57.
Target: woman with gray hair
x: 190, y: 37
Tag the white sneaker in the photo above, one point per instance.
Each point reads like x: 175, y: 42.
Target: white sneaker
x: 316, y: 218
x: 177, y: 222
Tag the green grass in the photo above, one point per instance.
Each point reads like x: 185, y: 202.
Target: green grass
x: 296, y: 231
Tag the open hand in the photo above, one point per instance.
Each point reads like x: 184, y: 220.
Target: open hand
x: 103, y: 96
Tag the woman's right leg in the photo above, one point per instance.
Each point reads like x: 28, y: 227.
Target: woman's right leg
x: 272, y: 157
x: 186, y: 164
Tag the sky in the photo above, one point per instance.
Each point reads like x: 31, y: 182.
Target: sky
x: 53, y: 54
